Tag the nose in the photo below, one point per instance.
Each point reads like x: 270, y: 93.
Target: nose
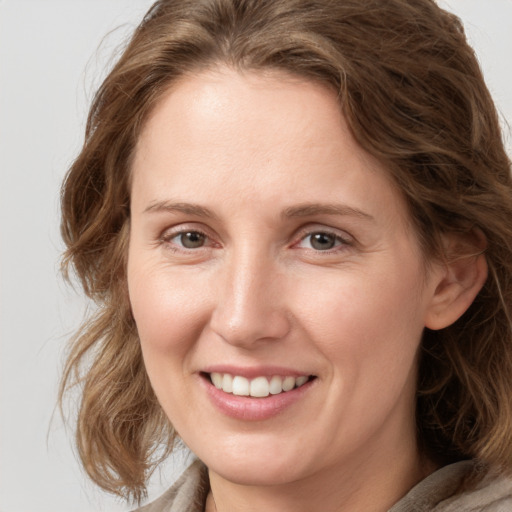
x: 250, y: 307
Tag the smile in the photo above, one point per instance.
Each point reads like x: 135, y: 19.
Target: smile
x: 258, y: 387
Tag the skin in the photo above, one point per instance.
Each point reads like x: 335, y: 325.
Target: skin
x: 253, y: 149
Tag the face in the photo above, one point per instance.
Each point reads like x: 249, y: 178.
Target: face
x: 278, y: 290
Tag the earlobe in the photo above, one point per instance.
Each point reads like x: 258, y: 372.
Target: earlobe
x: 461, y: 278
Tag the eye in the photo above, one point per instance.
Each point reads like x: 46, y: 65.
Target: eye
x: 188, y: 239
x: 191, y: 239
x: 321, y: 241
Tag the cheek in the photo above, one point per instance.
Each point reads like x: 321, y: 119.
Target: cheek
x: 168, y: 323
x: 167, y: 312
x: 374, y: 321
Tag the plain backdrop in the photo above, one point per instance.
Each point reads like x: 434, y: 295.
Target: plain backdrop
x: 53, y: 55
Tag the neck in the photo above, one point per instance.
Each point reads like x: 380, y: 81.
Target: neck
x: 372, y: 485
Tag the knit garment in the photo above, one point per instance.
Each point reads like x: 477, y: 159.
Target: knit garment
x: 461, y: 487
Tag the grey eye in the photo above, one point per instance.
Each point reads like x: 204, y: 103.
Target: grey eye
x: 322, y: 241
x: 191, y: 239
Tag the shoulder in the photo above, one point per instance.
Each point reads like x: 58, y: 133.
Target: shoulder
x: 491, y: 492
x: 465, y: 486
x: 188, y: 494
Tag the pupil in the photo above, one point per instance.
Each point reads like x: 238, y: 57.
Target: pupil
x: 322, y: 241
x: 192, y: 240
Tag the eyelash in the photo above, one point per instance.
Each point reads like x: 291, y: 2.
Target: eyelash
x: 168, y: 238
x: 341, y: 242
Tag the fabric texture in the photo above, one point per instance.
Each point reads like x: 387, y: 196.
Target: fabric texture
x: 188, y: 494
x: 461, y: 487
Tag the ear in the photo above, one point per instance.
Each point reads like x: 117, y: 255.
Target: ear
x: 459, y: 278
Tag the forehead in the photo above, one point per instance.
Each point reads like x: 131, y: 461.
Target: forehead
x: 255, y: 134
x: 205, y: 105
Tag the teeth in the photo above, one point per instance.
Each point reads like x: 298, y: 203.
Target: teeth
x: 288, y: 383
x: 227, y: 383
x: 276, y: 385
x: 240, y: 386
x: 258, y: 387
x: 216, y: 380
x: 300, y: 381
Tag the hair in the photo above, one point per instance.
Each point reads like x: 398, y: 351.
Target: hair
x: 413, y: 95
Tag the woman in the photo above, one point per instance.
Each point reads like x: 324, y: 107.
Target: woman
x: 294, y: 218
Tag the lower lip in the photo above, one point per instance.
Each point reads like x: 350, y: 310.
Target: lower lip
x: 254, y: 409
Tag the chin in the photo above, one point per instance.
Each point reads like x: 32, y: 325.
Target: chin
x: 262, y: 474
x: 257, y: 465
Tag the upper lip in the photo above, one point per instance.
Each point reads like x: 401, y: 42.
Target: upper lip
x: 251, y: 372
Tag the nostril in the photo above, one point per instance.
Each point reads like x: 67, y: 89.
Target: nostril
x: 250, y: 327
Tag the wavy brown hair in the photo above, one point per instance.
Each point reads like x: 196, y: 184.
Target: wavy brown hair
x: 414, y: 97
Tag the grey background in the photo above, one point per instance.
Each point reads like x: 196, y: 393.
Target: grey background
x: 53, y: 54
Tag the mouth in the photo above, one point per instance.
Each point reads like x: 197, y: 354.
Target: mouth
x: 257, y: 387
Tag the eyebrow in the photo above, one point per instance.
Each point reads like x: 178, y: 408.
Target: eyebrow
x: 186, y: 208
x: 301, y: 210
x: 310, y: 209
